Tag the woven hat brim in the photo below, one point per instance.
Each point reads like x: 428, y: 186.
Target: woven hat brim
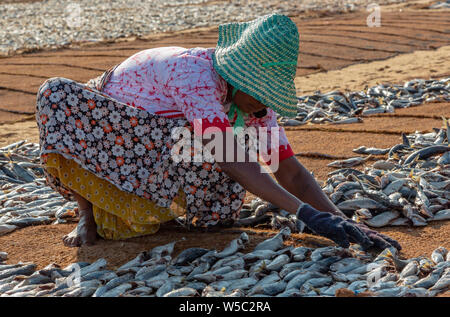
x: 281, y: 98
x: 245, y: 70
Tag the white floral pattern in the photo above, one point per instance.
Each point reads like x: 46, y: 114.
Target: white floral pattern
x: 179, y: 82
x: 139, y: 164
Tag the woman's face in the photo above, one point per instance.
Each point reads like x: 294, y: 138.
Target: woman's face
x: 247, y: 103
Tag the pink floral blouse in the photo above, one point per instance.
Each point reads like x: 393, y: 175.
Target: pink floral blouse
x: 179, y: 82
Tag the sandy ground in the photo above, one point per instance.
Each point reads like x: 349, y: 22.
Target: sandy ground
x: 419, y: 64
x: 328, y: 43
x: 42, y: 244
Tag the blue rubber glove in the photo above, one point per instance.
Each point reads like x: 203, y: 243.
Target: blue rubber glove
x: 332, y: 227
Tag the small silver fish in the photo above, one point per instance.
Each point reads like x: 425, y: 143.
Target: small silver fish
x: 442, y: 284
x: 259, y: 255
x: 269, y: 279
x: 300, y: 279
x: 137, y: 261
x: 438, y: 255
x: 161, y: 251
x: 234, y: 246
x: 359, y: 286
x: 278, y: 263
x: 412, y: 268
x: 346, y: 265
x: 300, y: 253
x: 243, y: 284
x: 205, y: 277
x: 147, y: 272
x: 382, y: 219
x: 331, y: 291
x: 236, y: 261
x: 270, y: 289
x: 390, y: 292
x: 101, y: 291
x: 164, y: 289
x: 276, y: 242
x: 233, y: 275
x: 347, y: 278
x: 355, y: 204
x: 407, y: 281
x: 371, y: 150
x: 117, y: 291
x: 354, y: 161
x: 441, y: 215
x: 182, y: 292
x: 27, y: 269
x: 5, y: 229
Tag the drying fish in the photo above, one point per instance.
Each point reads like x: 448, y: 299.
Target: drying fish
x: 298, y: 281
x: 259, y: 255
x: 182, y: 292
x: 270, y: 269
x: 382, y: 219
x: 4, y: 229
x: 137, y: 261
x: 300, y: 253
x: 431, y: 279
x: 439, y: 254
x: 189, y: 255
x: 235, y: 246
x: 412, y: 268
x: 354, y: 161
x: 384, y: 165
x: 371, y: 150
x: 22, y: 270
x: 426, y: 152
x: 28, y: 221
x: 251, y: 221
x: 276, y: 242
x: 442, y: 284
x: 356, y: 204
x: 278, y: 263
x: 441, y: 215
x: 161, y: 251
x: 338, y: 107
x: 270, y: 289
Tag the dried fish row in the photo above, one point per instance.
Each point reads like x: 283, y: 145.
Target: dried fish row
x: 336, y: 107
x: 270, y: 269
x: 25, y: 198
x: 411, y: 187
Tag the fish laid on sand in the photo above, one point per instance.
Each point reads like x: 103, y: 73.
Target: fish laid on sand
x: 394, y: 192
x: 270, y: 269
x: 336, y: 107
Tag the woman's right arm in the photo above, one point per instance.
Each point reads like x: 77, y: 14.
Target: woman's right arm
x: 249, y: 175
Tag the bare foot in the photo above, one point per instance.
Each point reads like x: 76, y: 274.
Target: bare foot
x: 84, y: 233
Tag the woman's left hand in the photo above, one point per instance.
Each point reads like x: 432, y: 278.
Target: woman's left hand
x: 379, y: 240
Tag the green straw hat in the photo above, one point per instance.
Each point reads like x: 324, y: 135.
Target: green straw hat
x: 259, y: 57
